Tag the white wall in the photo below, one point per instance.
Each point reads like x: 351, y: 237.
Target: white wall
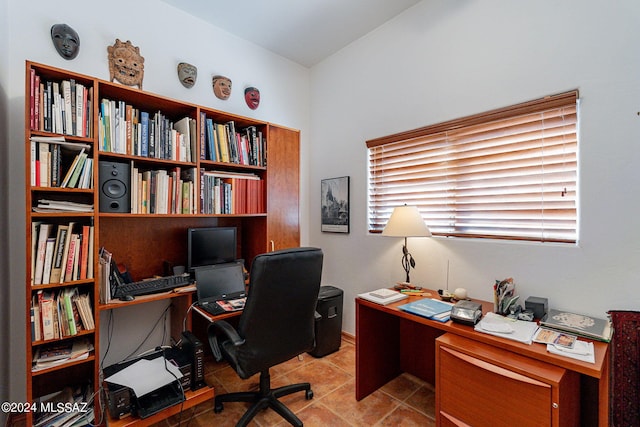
x: 166, y: 37
x: 4, y: 199
x: 446, y: 59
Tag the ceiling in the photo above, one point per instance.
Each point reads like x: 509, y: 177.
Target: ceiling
x: 304, y: 31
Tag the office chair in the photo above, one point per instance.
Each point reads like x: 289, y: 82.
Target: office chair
x: 277, y: 324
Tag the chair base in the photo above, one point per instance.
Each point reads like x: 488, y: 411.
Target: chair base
x: 265, y: 398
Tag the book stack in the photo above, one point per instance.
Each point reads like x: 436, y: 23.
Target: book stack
x: 59, y: 314
x: 63, y: 107
x: 383, y: 296
x: 124, y: 129
x: 231, y: 193
x: 222, y: 142
x: 61, y: 253
x: 66, y: 407
x: 162, y: 191
x: 51, y: 164
x: 50, y: 355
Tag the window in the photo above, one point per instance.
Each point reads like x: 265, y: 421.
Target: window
x: 509, y: 173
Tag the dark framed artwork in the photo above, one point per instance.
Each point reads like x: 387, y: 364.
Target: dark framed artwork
x: 335, y: 204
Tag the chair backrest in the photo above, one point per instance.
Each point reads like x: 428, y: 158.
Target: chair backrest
x: 278, y: 318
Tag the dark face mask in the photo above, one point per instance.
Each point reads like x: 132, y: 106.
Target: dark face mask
x: 65, y: 40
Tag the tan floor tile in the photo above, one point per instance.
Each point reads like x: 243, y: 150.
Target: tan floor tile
x: 406, y: 417
x: 363, y: 413
x: 318, y: 415
x: 402, y: 386
x: 424, y: 400
x: 345, y: 358
x: 323, y: 376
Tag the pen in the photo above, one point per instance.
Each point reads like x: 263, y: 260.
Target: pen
x: 414, y: 292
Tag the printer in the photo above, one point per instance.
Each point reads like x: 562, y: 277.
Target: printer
x: 120, y: 386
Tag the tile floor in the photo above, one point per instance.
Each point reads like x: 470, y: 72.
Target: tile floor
x: 404, y: 401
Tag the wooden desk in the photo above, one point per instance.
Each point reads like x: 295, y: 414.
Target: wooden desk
x: 390, y: 341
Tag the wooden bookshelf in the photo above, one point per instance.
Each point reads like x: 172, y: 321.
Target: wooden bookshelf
x: 144, y: 241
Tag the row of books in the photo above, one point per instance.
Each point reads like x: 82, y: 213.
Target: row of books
x: 58, y: 353
x: 57, y: 163
x: 61, y: 253
x: 69, y: 407
x: 221, y: 142
x: 162, y: 191
x: 124, y: 129
x: 59, y: 314
x: 231, y: 193
x: 63, y: 107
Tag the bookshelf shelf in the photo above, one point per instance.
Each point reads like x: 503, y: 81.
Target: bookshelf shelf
x: 68, y: 338
x: 144, y: 242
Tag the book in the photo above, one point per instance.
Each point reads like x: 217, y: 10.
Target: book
x: 83, y: 303
x: 36, y: 320
x: 383, y: 296
x: 56, y: 268
x: 65, y: 251
x: 84, y: 256
x: 48, y: 260
x: 45, y: 301
x: 71, y: 257
x: 76, y: 160
x: 429, y: 308
x: 578, y: 324
x: 43, y: 234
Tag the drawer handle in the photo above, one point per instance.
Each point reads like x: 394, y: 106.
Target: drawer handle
x: 495, y: 369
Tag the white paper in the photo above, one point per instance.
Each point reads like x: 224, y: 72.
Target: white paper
x: 146, y: 376
x: 383, y: 296
x: 518, y: 330
x: 582, y: 350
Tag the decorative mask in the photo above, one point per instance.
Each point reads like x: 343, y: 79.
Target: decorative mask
x: 125, y: 64
x: 252, y: 97
x: 66, y: 40
x: 221, y: 87
x: 187, y: 74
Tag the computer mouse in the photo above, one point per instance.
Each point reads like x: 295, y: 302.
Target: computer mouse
x: 127, y: 298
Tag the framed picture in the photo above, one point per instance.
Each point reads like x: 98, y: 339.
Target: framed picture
x: 335, y: 204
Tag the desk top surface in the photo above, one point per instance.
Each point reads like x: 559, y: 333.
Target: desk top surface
x: 535, y: 350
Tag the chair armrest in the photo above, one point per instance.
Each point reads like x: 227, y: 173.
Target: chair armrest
x: 222, y: 327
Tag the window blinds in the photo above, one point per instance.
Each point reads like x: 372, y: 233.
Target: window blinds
x: 509, y: 173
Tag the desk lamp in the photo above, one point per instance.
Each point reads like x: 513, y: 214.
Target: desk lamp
x: 406, y: 221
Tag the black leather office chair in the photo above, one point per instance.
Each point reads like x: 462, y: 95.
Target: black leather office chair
x: 276, y: 325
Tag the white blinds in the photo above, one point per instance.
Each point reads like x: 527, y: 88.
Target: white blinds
x: 509, y: 173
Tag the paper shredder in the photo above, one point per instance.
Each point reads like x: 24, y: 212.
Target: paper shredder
x: 329, y: 322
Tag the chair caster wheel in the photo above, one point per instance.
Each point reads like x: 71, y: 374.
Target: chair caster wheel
x: 309, y: 394
x: 217, y: 408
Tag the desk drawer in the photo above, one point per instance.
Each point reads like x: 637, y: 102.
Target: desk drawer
x: 480, y: 385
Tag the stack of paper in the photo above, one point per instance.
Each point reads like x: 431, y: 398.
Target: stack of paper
x: 582, y: 350
x: 500, y: 326
x: 383, y: 296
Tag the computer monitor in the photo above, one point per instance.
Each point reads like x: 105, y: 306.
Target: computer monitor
x: 210, y: 245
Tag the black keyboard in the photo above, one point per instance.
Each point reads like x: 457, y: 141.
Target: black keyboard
x: 152, y: 286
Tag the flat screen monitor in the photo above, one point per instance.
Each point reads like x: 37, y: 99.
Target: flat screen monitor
x: 210, y: 246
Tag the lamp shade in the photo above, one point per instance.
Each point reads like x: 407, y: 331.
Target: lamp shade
x: 406, y: 221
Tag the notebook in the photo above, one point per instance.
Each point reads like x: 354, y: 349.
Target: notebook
x: 220, y: 288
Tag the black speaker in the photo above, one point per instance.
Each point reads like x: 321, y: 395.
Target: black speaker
x: 114, y: 186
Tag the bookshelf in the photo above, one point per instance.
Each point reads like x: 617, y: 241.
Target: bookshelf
x: 177, y: 172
